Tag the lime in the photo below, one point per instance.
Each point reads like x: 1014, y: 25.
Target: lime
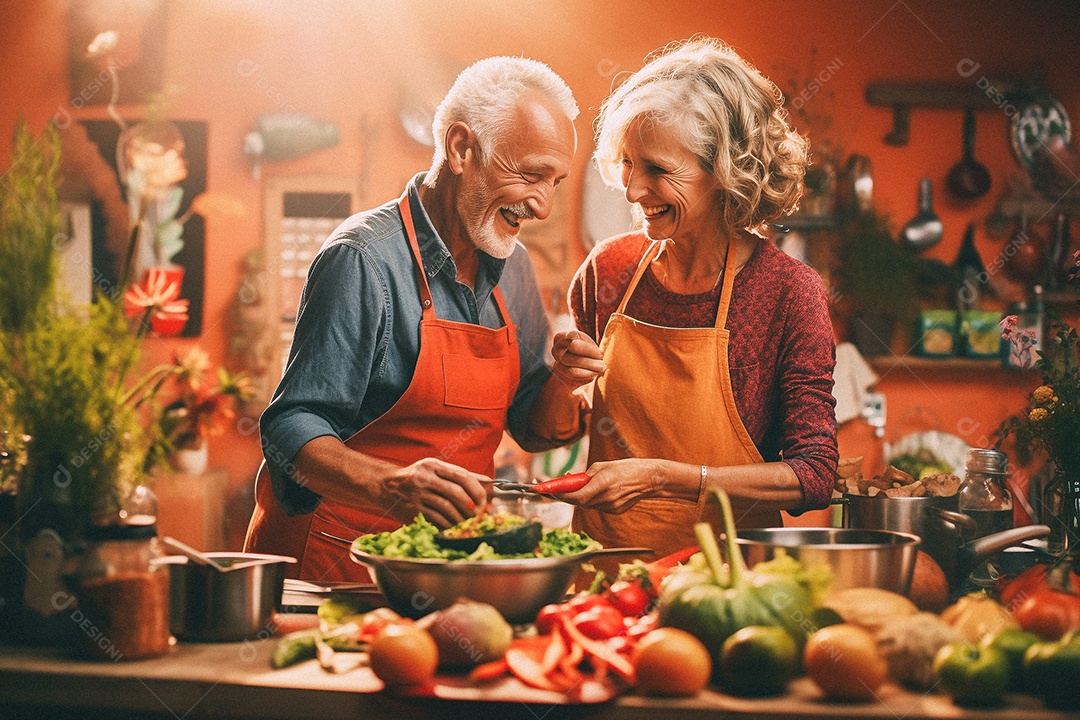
x: 758, y: 660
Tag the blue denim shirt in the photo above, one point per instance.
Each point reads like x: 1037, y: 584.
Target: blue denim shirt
x: 357, y: 334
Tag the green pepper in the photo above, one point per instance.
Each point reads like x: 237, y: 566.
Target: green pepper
x: 973, y: 675
x: 1014, y: 643
x: 1052, y: 671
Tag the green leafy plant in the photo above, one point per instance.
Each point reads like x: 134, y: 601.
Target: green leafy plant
x: 29, y: 223
x: 876, y: 275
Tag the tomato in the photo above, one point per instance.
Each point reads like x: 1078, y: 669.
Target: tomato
x: 669, y: 661
x: 600, y: 622
x: 629, y: 598
x: 403, y: 655
x: 1049, y: 613
x: 548, y: 617
x: 843, y: 661
x: 585, y: 600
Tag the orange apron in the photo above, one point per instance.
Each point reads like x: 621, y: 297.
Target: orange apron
x: 454, y: 409
x: 667, y: 394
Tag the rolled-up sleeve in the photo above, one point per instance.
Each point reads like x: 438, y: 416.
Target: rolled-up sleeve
x: 338, y: 340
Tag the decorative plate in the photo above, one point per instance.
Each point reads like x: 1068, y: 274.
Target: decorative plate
x: 1034, y: 125
x: 950, y: 449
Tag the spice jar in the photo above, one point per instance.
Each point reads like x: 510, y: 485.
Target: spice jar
x: 123, y: 594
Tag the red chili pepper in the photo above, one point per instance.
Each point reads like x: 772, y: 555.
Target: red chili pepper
x: 565, y: 484
x: 600, y: 622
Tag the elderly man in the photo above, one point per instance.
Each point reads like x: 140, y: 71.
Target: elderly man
x: 421, y: 334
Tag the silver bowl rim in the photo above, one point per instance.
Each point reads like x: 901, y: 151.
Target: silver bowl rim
x: 463, y: 567
x: 225, y: 555
x: 782, y: 538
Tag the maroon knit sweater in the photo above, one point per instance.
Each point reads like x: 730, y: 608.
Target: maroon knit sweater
x: 781, y: 352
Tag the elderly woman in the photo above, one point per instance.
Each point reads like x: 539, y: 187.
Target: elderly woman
x: 711, y: 349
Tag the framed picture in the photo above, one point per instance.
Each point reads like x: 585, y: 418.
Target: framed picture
x: 107, y: 264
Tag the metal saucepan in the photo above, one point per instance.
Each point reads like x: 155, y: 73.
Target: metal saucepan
x: 517, y: 588
x: 936, y: 521
x: 208, y: 605
x: 857, y: 558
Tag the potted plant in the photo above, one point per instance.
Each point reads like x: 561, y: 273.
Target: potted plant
x: 875, y: 281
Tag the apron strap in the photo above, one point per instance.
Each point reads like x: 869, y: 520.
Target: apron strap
x: 421, y: 276
x: 414, y: 245
x: 650, y: 254
x: 725, y: 292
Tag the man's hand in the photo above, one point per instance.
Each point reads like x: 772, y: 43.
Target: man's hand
x: 445, y: 493
x: 577, y: 359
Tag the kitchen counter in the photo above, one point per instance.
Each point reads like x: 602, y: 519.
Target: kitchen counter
x: 234, y: 680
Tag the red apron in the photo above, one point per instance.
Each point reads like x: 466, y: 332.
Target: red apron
x: 454, y: 409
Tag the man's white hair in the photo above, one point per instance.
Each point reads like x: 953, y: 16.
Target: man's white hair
x: 483, y: 97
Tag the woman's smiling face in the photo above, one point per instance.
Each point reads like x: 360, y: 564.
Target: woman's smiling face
x: 663, y: 177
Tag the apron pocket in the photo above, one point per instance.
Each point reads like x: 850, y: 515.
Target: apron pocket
x: 477, y: 383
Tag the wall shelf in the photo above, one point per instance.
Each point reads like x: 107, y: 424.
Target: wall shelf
x: 886, y: 363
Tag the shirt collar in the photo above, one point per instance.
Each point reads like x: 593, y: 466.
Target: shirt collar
x: 433, y: 250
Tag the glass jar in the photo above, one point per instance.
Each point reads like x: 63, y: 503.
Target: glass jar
x: 1061, y: 511
x: 984, y: 495
x: 123, y: 594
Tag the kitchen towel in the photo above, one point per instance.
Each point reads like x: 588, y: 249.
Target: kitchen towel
x: 852, y: 377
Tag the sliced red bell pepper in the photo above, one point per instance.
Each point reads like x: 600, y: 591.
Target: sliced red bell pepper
x: 486, y: 672
x: 599, y: 650
x: 524, y: 657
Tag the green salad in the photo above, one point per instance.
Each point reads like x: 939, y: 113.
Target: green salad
x: 417, y: 540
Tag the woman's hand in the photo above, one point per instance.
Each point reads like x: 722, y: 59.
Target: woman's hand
x: 617, y: 486
x: 445, y: 493
x: 577, y: 359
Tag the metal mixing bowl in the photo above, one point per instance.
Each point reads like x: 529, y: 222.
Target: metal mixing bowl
x: 208, y: 605
x: 857, y: 558
x: 516, y: 588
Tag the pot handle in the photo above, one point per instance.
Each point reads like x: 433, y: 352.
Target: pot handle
x: 958, y: 519
x: 990, y: 544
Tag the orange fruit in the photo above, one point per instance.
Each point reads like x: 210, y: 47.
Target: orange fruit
x: 672, y: 662
x: 843, y: 661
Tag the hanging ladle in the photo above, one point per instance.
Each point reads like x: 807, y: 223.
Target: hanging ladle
x: 968, y: 179
x: 925, y: 229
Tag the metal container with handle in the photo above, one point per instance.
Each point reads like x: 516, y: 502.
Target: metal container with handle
x: 208, y: 605
x: 857, y: 558
x: 937, y: 523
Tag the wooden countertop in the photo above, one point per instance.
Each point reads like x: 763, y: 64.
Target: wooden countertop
x: 234, y: 680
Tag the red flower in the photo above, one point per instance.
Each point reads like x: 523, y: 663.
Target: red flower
x: 157, y: 298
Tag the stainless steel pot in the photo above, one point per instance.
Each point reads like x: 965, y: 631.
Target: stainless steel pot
x: 939, y: 525
x: 209, y: 605
x: 857, y: 558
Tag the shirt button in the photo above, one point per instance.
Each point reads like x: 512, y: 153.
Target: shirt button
x: 427, y: 303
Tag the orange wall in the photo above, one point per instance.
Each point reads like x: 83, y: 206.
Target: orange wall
x: 347, y: 62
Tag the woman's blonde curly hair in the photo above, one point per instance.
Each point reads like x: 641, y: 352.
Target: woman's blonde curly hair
x: 727, y: 113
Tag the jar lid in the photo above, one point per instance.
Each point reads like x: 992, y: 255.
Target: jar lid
x: 987, y: 460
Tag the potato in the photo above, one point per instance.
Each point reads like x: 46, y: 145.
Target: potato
x: 869, y: 608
